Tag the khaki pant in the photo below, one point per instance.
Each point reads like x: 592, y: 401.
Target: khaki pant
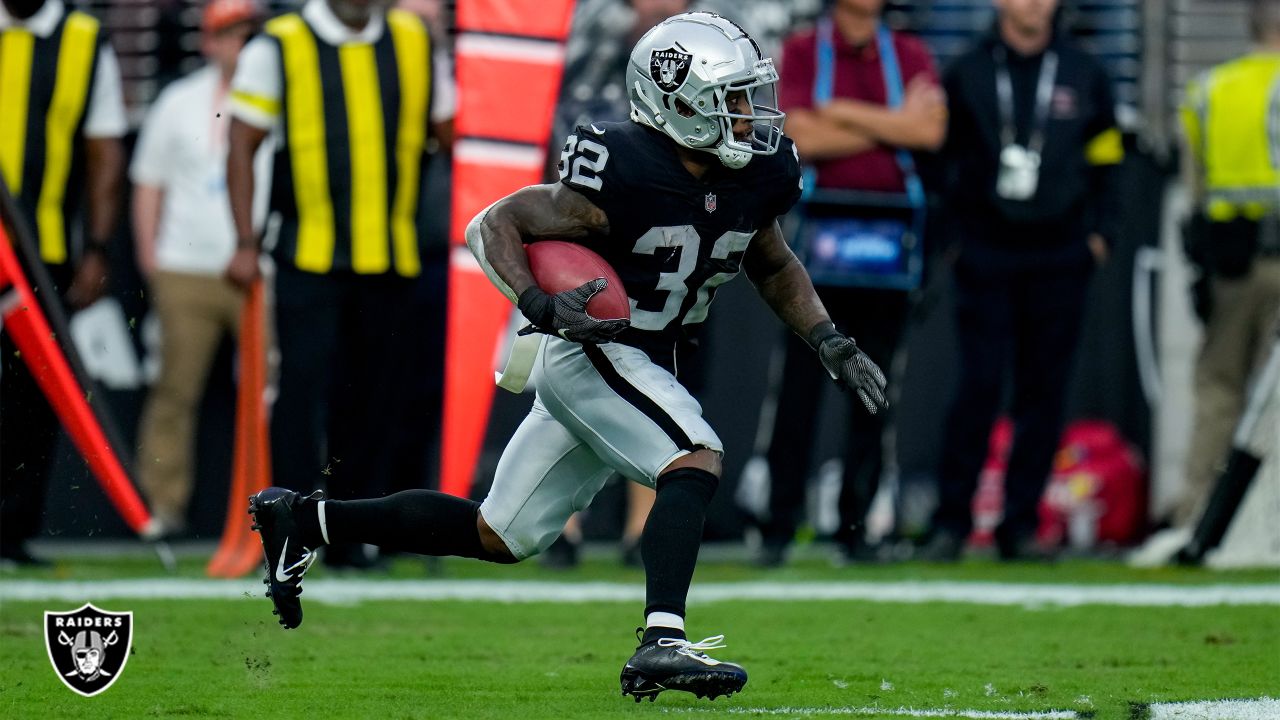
x: 1237, y: 338
x: 195, y: 312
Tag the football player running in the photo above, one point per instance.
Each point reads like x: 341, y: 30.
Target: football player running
x: 678, y: 201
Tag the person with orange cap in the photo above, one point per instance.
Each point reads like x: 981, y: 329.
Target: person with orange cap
x: 184, y: 239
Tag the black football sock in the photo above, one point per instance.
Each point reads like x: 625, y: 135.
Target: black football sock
x: 670, y: 541
x: 657, y: 632
x: 307, y: 519
x: 417, y: 521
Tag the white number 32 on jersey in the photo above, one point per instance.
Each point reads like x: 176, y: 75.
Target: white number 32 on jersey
x: 583, y: 170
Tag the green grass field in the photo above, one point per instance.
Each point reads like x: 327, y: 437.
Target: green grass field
x: 477, y: 659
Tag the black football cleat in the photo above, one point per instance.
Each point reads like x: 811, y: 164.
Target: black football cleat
x: 287, y: 558
x: 671, y: 664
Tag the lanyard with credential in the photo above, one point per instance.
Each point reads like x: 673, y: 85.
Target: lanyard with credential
x: 1044, y: 95
x: 824, y: 91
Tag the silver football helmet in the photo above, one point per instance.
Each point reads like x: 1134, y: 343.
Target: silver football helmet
x: 681, y: 74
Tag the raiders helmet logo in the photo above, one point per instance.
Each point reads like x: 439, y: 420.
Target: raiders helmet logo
x: 88, y: 647
x: 669, y: 68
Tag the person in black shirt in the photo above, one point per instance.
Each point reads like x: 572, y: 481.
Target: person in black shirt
x: 1031, y: 153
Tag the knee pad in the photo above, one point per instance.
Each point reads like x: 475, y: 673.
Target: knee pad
x: 692, y: 480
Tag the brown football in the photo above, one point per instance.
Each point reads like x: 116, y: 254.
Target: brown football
x: 559, y: 265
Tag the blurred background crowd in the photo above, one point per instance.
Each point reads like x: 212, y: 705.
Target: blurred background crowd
x: 1056, y: 225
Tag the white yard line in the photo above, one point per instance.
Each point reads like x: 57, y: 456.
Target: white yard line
x: 883, y: 712
x: 1257, y: 709
x: 358, y: 590
x: 1260, y: 709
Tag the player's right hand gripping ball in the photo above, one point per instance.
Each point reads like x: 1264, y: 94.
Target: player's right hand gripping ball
x: 851, y: 368
x: 565, y: 313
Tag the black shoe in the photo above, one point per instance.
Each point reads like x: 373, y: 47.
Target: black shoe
x: 941, y: 547
x: 671, y: 664
x: 287, y: 558
x: 562, y: 555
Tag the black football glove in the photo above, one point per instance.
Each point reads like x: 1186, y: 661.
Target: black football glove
x: 565, y: 314
x: 849, y: 366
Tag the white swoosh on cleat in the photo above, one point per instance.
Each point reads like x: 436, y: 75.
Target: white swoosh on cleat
x: 281, y: 575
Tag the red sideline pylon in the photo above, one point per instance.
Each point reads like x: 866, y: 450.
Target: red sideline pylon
x: 518, y: 38
x: 27, y: 325
x: 479, y: 312
x: 239, y: 551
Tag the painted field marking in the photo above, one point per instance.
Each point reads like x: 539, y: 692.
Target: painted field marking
x: 883, y: 712
x: 1263, y: 708
x: 353, y: 590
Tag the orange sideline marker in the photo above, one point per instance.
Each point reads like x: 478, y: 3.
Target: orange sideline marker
x: 25, y: 322
x: 239, y: 551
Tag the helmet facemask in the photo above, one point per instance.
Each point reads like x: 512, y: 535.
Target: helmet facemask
x: 759, y: 106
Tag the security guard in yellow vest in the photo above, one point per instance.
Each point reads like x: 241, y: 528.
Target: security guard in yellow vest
x: 61, y: 119
x: 347, y: 86
x: 1232, y: 133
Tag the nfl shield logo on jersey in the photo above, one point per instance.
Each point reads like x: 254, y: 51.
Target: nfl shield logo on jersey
x: 88, y: 647
x: 711, y: 202
x: 669, y: 68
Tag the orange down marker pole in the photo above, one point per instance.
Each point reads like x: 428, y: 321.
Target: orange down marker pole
x: 492, y: 157
x: 239, y: 551
x: 26, y: 324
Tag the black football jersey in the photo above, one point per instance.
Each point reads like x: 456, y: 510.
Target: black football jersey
x: 673, y: 238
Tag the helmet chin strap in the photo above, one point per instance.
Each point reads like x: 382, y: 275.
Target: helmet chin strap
x: 729, y: 157
x: 734, y: 159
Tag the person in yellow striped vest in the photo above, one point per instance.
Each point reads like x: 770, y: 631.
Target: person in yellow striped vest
x: 348, y: 86
x: 61, y: 119
x: 1231, y: 120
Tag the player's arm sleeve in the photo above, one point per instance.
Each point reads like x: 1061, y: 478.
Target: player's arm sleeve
x: 152, y: 162
x: 589, y: 166
x: 105, y: 116
x: 257, y: 87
